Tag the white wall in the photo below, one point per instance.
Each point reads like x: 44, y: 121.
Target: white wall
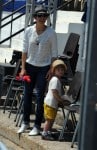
x: 68, y: 22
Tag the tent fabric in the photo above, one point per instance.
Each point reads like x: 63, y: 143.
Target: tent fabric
x: 16, y: 4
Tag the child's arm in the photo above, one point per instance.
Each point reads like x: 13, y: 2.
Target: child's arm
x: 59, y: 98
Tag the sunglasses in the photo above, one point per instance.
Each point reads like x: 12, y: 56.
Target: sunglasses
x: 41, y: 15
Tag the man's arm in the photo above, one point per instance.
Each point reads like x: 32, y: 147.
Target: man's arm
x: 23, y: 70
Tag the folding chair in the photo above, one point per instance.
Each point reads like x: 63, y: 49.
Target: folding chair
x: 17, y: 97
x: 19, y: 116
x: 70, y: 56
x: 74, y: 107
x: 12, y: 88
x: 11, y: 79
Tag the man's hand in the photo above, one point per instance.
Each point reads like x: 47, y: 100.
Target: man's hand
x: 22, y: 73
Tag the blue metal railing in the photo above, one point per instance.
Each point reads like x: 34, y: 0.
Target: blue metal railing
x: 20, y: 9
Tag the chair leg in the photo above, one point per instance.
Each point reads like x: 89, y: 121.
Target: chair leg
x: 74, y: 122
x: 12, y: 104
x: 64, y: 126
x: 19, y: 114
x: 21, y: 121
x: 75, y: 134
x: 8, y: 95
x: 20, y: 105
x: 63, y: 112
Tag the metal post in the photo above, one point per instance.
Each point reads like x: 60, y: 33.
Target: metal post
x: 11, y: 25
x: 88, y: 120
x: 1, y: 2
x: 27, y: 16
x: 52, y: 7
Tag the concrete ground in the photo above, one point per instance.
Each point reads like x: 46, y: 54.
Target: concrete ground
x: 8, y: 144
x: 14, y: 141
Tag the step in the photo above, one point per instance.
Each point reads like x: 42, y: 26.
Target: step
x: 9, y: 131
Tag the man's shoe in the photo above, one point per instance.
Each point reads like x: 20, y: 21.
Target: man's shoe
x: 23, y: 128
x: 34, y: 131
x: 47, y: 137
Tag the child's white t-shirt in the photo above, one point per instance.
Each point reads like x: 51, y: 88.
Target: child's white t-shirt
x: 49, y: 99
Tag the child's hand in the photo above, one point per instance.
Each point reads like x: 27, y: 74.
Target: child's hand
x: 67, y: 97
x: 66, y: 102
x: 61, y: 105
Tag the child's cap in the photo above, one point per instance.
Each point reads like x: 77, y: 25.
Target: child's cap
x: 57, y: 63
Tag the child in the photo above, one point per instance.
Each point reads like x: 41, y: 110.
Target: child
x: 53, y: 97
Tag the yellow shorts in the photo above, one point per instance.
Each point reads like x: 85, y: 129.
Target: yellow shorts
x: 49, y: 112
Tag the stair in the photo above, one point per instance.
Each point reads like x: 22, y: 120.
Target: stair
x: 8, y: 130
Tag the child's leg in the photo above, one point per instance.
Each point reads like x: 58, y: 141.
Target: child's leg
x: 48, y: 125
x: 46, y: 131
x: 50, y: 114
